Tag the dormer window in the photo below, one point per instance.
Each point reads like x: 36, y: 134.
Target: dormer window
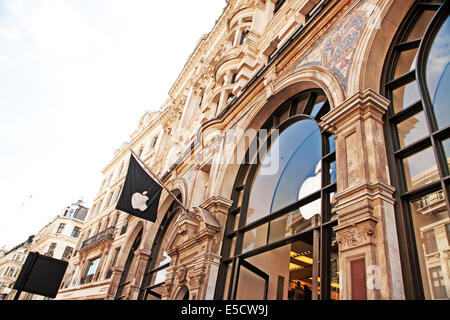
x: 140, y: 150
x: 233, y: 78
x: 155, y: 139
x: 243, y: 36
x: 230, y: 97
x: 278, y: 5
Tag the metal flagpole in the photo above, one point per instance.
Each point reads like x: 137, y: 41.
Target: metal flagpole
x: 162, y: 185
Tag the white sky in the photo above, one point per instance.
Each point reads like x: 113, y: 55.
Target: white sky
x: 75, y: 78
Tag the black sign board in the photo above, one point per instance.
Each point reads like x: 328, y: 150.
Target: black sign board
x: 41, y: 275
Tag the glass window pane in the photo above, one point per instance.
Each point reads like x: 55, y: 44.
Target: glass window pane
x: 240, y: 196
x: 251, y: 286
x: 429, y: 215
x: 334, y: 214
x: 233, y: 246
x: 295, y: 222
x: 446, y: 146
x: 236, y: 221
x: 405, y: 96
x: 160, y: 276
x: 284, y: 115
x: 447, y: 229
x: 438, y: 75
x: 92, y: 266
x: 334, y: 267
x: 227, y: 281
x: 301, y: 105
x: 332, y: 143
x: 406, y: 62
x: 255, y: 238
x: 333, y: 172
x: 318, y: 105
x: 421, y: 25
x: 154, y: 294
x: 292, y: 262
x: 412, y: 129
x: 420, y: 169
x: 290, y: 170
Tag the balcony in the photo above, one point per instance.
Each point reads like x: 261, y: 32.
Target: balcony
x: 98, y: 239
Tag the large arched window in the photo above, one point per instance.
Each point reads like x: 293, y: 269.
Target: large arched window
x: 417, y: 82
x: 125, y: 278
x: 157, y: 265
x: 278, y: 241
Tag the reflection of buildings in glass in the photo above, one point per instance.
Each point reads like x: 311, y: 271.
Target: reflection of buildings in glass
x: 334, y: 269
x: 309, y: 186
x: 432, y: 224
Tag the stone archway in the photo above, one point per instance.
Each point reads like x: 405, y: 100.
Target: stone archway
x: 128, y: 262
x: 192, y: 245
x: 277, y: 90
x: 374, y: 44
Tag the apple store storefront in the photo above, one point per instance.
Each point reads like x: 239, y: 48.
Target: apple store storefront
x: 289, y: 234
x: 279, y: 238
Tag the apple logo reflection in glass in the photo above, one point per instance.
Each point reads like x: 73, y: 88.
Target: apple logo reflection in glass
x: 311, y: 185
x: 139, y: 201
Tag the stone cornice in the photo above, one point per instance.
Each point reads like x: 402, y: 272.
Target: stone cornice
x: 159, y: 120
x: 242, y: 101
x: 377, y: 187
x: 54, y: 236
x: 217, y: 203
x: 201, y: 48
x: 362, y: 104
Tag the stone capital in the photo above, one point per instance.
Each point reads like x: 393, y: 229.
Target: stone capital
x: 217, y: 204
x: 142, y: 254
x: 356, y: 235
x: 362, y: 105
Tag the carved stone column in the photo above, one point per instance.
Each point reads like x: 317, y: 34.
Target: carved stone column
x: 103, y: 256
x: 218, y: 207
x: 369, y: 260
x: 115, y: 279
x: 141, y: 257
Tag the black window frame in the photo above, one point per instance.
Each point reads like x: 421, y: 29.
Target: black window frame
x: 151, y: 267
x: 278, y: 5
x: 243, y: 182
x: 411, y: 270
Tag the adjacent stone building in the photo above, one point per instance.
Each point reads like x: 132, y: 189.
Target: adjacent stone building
x: 10, y: 266
x: 59, y: 237
x: 311, y: 141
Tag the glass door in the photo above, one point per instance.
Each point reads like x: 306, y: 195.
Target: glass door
x: 251, y: 283
x: 286, y: 272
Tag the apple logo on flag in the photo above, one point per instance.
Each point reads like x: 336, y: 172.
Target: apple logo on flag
x: 139, y: 201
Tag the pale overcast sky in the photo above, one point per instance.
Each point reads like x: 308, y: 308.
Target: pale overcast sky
x: 75, y: 77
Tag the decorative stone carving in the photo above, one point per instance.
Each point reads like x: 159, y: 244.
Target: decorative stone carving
x: 269, y: 82
x: 181, y: 275
x: 195, y: 282
x: 355, y: 236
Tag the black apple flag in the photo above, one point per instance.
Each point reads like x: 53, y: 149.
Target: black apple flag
x: 140, y: 194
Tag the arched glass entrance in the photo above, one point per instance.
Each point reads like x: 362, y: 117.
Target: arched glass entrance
x: 279, y: 242
x: 157, y: 265
x: 125, y: 279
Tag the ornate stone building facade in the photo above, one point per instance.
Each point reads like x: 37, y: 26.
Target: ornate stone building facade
x: 59, y: 237
x: 11, y: 263
x: 310, y: 139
